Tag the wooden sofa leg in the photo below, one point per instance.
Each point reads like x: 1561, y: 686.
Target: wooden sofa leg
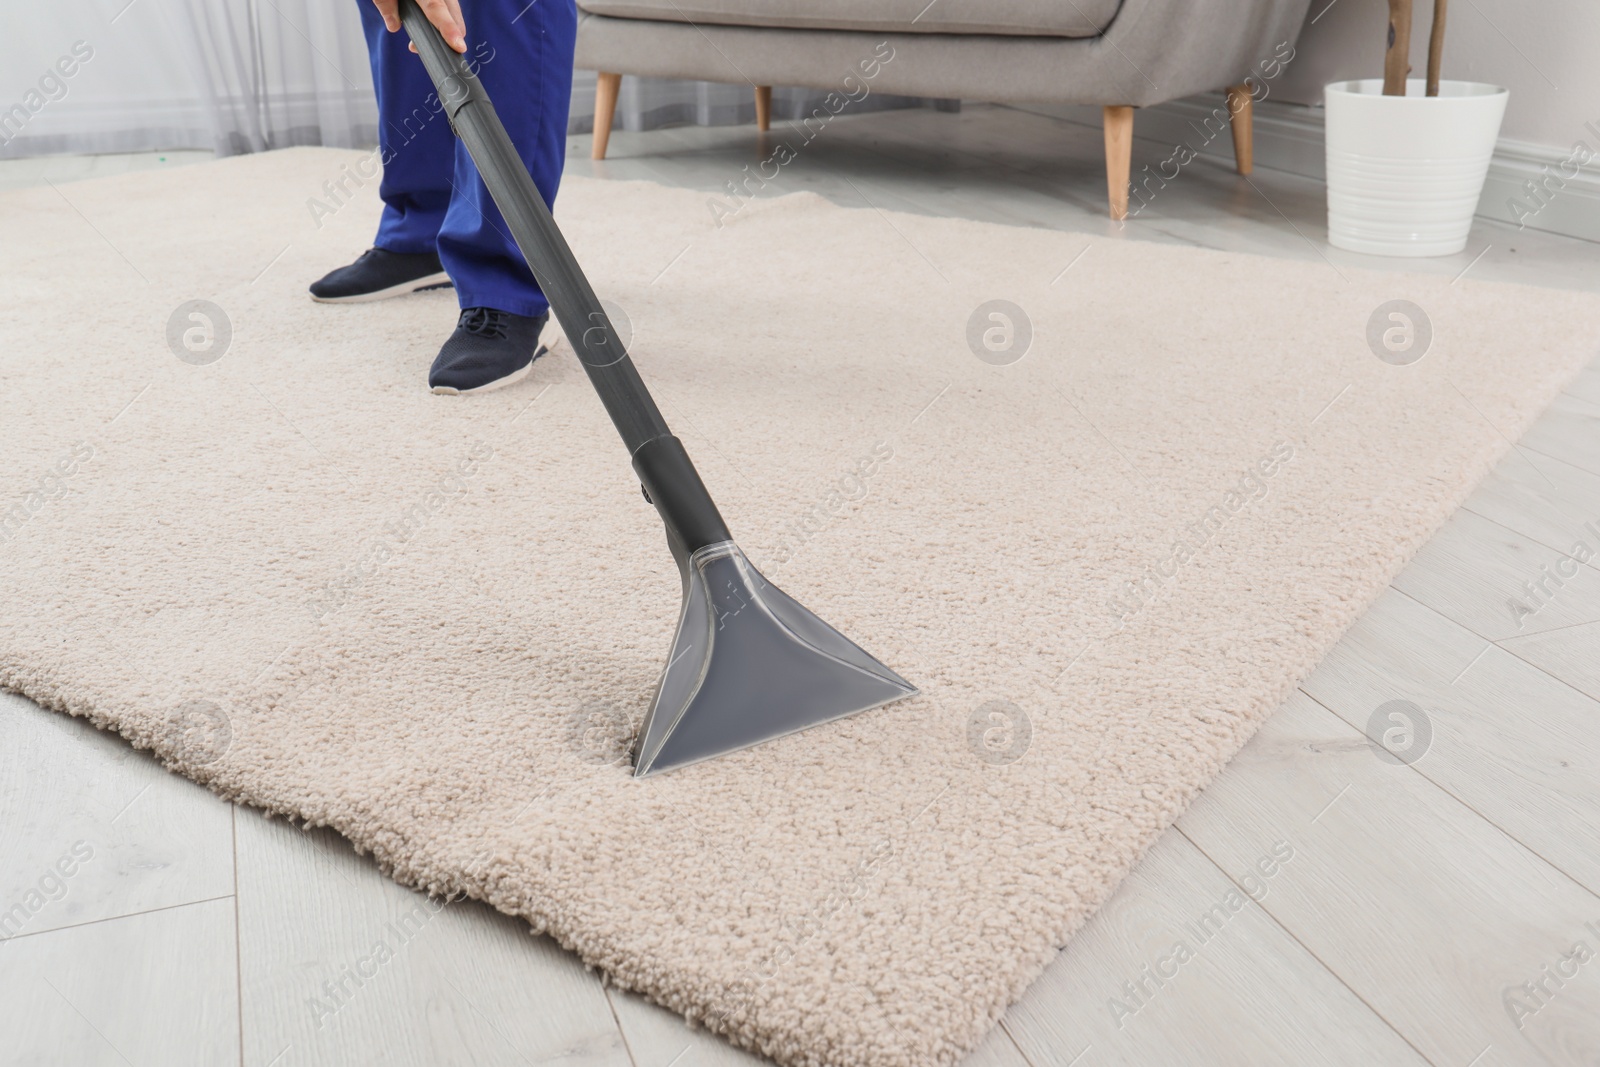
x: 605, y: 109
x: 1119, y: 157
x: 1241, y: 105
x: 763, y: 107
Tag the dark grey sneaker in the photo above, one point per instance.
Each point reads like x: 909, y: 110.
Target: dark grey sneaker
x: 380, y: 274
x: 489, y: 349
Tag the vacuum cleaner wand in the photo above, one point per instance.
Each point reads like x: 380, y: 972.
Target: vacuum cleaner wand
x: 748, y: 663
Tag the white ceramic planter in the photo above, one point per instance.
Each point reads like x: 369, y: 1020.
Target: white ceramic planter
x: 1404, y: 172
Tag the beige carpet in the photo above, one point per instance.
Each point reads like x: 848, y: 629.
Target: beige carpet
x: 432, y: 622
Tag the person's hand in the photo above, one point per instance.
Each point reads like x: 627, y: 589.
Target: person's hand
x: 444, y: 14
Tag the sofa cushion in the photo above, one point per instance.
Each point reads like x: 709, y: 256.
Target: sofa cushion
x: 1025, y: 18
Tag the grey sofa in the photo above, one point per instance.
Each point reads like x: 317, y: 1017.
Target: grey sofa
x: 1120, y: 54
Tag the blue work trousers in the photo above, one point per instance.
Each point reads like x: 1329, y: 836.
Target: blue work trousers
x: 433, y: 198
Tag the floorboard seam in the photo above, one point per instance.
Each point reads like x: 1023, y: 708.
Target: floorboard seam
x: 616, y: 1020
x: 1508, y: 651
x: 1447, y: 791
x: 238, y: 946
x: 114, y: 918
x: 1006, y: 1029
x: 1335, y: 975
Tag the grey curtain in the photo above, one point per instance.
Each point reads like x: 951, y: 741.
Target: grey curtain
x: 147, y: 75
x: 95, y: 76
x: 277, y: 73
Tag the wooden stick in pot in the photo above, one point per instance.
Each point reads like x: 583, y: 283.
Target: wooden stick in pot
x: 1397, y: 55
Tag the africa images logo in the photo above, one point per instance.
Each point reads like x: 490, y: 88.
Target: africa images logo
x: 51, y: 485
x: 1252, y: 486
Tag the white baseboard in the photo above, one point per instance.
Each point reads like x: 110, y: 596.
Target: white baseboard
x: 1288, y: 137
x: 1571, y: 205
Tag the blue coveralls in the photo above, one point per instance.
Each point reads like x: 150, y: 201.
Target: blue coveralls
x: 433, y: 198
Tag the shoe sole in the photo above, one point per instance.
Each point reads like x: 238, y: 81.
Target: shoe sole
x: 499, y: 383
x: 416, y: 285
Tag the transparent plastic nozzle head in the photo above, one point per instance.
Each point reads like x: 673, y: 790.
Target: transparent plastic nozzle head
x: 750, y: 664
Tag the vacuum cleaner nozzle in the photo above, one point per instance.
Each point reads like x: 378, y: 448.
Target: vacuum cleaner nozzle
x: 750, y: 664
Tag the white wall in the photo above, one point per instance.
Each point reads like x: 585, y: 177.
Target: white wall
x: 1547, y: 53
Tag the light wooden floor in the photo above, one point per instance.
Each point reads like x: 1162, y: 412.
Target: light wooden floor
x: 1415, y: 901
